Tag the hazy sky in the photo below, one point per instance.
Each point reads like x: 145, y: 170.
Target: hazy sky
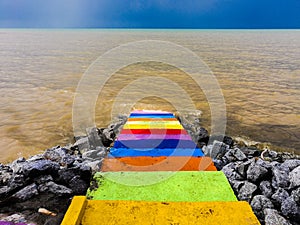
x: 150, y: 13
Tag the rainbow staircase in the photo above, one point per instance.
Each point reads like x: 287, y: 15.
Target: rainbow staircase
x: 155, y: 174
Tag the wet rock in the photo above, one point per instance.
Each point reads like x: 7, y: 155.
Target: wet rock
x: 230, y: 172
x: 36, y: 168
x: 250, y: 152
x: 36, y: 158
x: 294, y: 177
x: 99, y: 153
x: 26, y: 193
x: 17, y: 181
x: 95, y: 166
x: 279, y: 196
x: 290, y: 208
x: 272, y: 217
x: 17, y: 165
x: 66, y: 174
x: 107, y: 136
x: 236, y: 185
x: 235, y: 155
x: 247, y: 191
x: 94, y: 138
x: 67, y: 160
x: 218, y: 150
x: 280, y: 177
x: 219, y: 164
x: 54, y: 188
x: 259, y: 203
x: 296, y: 195
x: 15, y: 218
x: 228, y: 141
x: 201, y: 136
x: 43, y: 179
x: 256, y: 172
x: 55, y: 154
x: 291, y: 163
x: 5, y: 176
x: 266, y: 188
x: 264, y: 164
x: 78, y: 185
x: 81, y: 143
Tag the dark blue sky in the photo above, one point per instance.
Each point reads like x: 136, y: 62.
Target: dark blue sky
x: 150, y: 14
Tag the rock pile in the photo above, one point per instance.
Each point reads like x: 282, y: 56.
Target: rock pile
x: 41, y: 187
x: 268, y: 180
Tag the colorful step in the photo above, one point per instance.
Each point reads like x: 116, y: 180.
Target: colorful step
x: 155, y: 143
x: 128, y: 152
x: 161, y: 163
x: 98, y: 212
x: 190, y: 186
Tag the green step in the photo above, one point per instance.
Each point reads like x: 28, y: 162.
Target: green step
x: 192, y: 186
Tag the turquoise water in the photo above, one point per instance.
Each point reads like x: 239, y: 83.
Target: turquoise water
x: 258, y: 72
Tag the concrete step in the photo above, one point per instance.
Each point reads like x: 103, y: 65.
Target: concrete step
x: 135, y: 137
x: 156, y: 152
x: 96, y: 212
x: 152, y: 119
x: 158, y: 164
x: 154, y: 143
x: 194, y: 186
x: 152, y: 126
x: 153, y: 131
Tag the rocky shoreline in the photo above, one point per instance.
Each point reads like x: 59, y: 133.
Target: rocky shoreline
x: 38, y: 190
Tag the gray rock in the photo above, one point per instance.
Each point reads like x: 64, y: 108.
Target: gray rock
x: 82, y: 143
x: 290, y: 208
x: 55, y: 154
x: 266, y: 188
x: 4, y: 192
x: 291, y: 163
x: 67, y: 160
x: 236, y: 185
x: 230, y: 172
x: 26, y: 193
x: 235, y: 155
x: 264, y: 164
x: 294, y: 177
x: 36, y: 168
x: 17, y: 181
x: 99, y: 153
x: 36, y: 157
x: 201, y: 136
x: 94, y: 138
x: 259, y: 203
x: 107, y: 136
x: 246, y: 191
x: 95, y: 165
x: 272, y: 217
x: 43, y: 179
x: 15, y: 218
x: 242, y: 167
x: 279, y: 196
x: 5, y: 176
x: 256, y: 172
x: 296, y: 195
x: 54, y: 188
x: 78, y: 185
x: 218, y: 149
x: 17, y: 165
x: 280, y: 177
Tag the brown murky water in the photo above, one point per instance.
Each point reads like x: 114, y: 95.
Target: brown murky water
x: 258, y: 72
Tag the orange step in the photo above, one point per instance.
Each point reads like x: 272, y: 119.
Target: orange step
x: 162, y: 163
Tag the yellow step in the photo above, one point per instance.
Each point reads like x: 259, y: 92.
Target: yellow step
x: 103, y: 212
